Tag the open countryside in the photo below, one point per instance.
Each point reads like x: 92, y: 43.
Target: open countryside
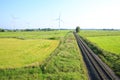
x: 20, y: 49
x: 55, y: 56
x: 51, y: 54
x: 59, y: 39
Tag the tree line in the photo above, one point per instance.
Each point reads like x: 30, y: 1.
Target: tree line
x: 20, y: 30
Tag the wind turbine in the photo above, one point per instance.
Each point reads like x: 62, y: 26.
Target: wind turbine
x: 59, y: 21
x: 14, y: 19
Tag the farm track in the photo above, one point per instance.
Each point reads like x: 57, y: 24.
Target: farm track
x: 96, y: 68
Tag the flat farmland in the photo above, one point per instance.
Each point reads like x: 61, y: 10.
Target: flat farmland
x: 95, y: 33
x: 54, y: 56
x: 19, y: 49
x: 18, y: 53
x: 34, y: 34
x: 108, y: 43
x: 107, y: 40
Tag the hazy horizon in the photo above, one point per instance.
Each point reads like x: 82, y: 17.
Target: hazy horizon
x: 88, y: 14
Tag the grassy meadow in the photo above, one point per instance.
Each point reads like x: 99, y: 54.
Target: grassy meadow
x: 52, y: 55
x: 34, y: 34
x: 105, y: 43
x: 108, y: 43
x: 95, y: 33
x: 19, y: 49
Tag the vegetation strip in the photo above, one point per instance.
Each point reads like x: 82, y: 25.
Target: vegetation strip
x: 99, y: 70
x: 51, y: 35
x: 67, y: 62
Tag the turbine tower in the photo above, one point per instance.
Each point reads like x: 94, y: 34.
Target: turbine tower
x: 59, y: 20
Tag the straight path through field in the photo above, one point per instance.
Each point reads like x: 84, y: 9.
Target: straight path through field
x: 96, y: 68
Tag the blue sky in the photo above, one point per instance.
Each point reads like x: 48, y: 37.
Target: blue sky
x: 97, y: 14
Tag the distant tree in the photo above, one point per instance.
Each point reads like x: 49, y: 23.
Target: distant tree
x: 77, y: 29
x: 2, y: 30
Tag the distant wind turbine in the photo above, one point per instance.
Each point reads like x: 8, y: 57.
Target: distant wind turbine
x: 59, y: 21
x: 14, y: 19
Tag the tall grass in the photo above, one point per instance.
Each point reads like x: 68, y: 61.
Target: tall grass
x: 67, y: 62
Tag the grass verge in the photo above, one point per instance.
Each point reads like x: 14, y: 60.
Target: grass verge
x: 67, y: 62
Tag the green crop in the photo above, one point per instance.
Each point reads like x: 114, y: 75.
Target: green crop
x: 107, y: 43
x: 17, y: 53
x: 65, y: 62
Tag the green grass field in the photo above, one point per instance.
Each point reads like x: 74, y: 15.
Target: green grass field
x: 107, y: 43
x: 95, y: 33
x: 65, y: 62
x: 19, y: 49
x: 18, y: 53
x: 34, y: 34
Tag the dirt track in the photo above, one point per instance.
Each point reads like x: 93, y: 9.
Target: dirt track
x: 96, y: 68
